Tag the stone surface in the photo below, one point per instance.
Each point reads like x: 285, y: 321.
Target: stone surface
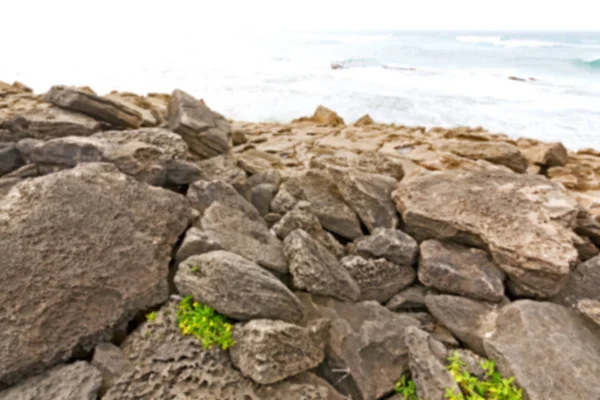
x: 66, y: 152
x: 261, y: 197
x: 205, y: 133
x: 426, y: 360
x: 547, y: 154
x: 564, y: 365
x: 409, y: 299
x: 202, y: 194
x: 103, y: 109
x: 364, y: 120
x: 525, y: 221
x: 236, y: 287
x: 471, y: 321
x: 369, y: 195
x: 585, y: 248
x: 77, y: 381
x: 472, y: 361
x: 370, y: 162
x: 461, y: 270
x: 223, y: 168
x: 327, y: 203
x: 391, y: 244
x: 270, y: 351
x: 378, y: 279
x: 584, y: 283
x: 111, y: 362
x: 495, y: 152
x: 305, y: 386
x: 316, y: 270
x: 181, y: 172
x: 590, y: 309
x: 116, y: 238
x: 10, y: 158
x: 248, y: 237
x: 196, y: 242
x: 325, y: 116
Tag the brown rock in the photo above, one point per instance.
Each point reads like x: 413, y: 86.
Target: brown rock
x: 365, y: 120
x: 391, y: 244
x: 325, y: 116
x: 590, y: 309
x: 111, y: 362
x: 500, y: 153
x: 547, y: 154
x: 369, y: 162
x: 223, y: 168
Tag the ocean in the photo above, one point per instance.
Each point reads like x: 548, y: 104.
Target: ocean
x: 411, y: 78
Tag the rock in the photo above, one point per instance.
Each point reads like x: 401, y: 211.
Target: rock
x: 524, y: 220
x: 378, y: 279
x: 238, y: 138
x: 202, y: 194
x: 471, y: 321
x: 565, y: 365
x: 583, y: 283
x: 500, y: 153
x: 10, y: 158
x: 181, y: 172
x: 585, y: 248
x: 409, y: 299
x: 67, y: 152
x: 6, y: 184
x: 327, y: 203
x: 148, y: 118
x: 271, y: 176
x: 195, y: 243
x: 202, y: 130
x: 48, y: 123
x: 366, y: 354
x: 370, y: 162
x: 472, y: 362
x: 118, y: 115
x: 270, y: 351
x: 115, y: 237
x: 302, y: 218
x: 305, y: 386
x: 111, y: 362
x: 236, y: 287
x: 223, y: 168
x: 547, y: 154
x: 272, y: 218
x: 255, y: 161
x: 240, y: 234
x: 391, y: 244
x: 590, y: 309
x: 364, y: 120
x: 426, y: 360
x: 26, y: 147
x: 325, y: 116
x: 316, y: 270
x: 588, y: 226
x: 284, y: 201
x: 77, y: 381
x: 369, y: 195
x: 461, y: 270
x: 166, y: 141
x: 261, y: 197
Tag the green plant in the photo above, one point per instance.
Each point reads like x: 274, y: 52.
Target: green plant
x: 407, y: 389
x: 151, y: 316
x: 194, y: 268
x: 205, y: 323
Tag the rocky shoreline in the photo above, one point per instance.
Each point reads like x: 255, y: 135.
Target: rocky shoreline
x: 345, y: 256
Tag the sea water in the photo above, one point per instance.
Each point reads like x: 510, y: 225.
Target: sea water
x: 412, y: 78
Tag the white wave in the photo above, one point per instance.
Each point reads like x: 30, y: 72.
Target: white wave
x: 507, y: 43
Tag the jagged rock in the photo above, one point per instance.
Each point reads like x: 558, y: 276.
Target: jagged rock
x: 272, y: 218
x: 327, y: 203
x: 378, y: 279
x: 369, y: 195
x: 148, y: 118
x: 255, y: 161
x: 77, y: 381
x: 202, y: 194
x: 10, y: 158
x: 223, y: 168
x: 48, y: 123
x: 426, y: 360
x: 166, y: 141
x: 316, y: 270
x: 588, y: 226
x: 284, y: 201
x: 366, y: 354
x: 391, y: 244
x: 461, y: 270
x: 115, y: 237
x: 300, y: 217
x: 500, y: 153
x: 411, y: 298
x: 585, y: 248
x: 6, y: 184
x: 261, y: 197
x: 238, y: 138
x: 103, y: 109
x: 524, y: 220
x: 248, y: 237
x: 472, y: 362
x: 111, y: 362
x: 471, y: 321
x: 590, y: 309
x: 181, y: 172
x: 205, y: 133
x: 270, y: 351
x: 271, y: 176
x: 547, y: 154
x: 305, y: 386
x: 369, y: 162
x: 325, y: 116
x: 26, y: 147
x: 364, y: 120
x: 584, y: 283
x: 67, y: 152
x: 565, y: 365
x: 236, y: 287
x: 196, y: 242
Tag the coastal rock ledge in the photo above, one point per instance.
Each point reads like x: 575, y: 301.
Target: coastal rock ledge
x: 150, y: 248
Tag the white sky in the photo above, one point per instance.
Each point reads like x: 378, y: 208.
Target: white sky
x: 73, y: 20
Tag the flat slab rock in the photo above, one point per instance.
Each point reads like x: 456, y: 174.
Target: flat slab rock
x: 116, y: 238
x: 526, y: 221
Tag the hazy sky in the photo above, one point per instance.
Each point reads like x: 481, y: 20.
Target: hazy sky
x: 74, y: 19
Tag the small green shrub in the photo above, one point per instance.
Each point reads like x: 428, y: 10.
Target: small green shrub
x: 151, y: 316
x: 407, y: 389
x: 205, y: 323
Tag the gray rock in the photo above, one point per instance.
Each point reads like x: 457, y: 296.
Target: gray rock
x: 181, y: 172
x: 115, y: 237
x: 370, y: 195
x: 471, y: 321
x: 524, y: 220
x: 271, y: 176
x: 284, y: 201
x: 261, y: 197
x: 587, y: 225
x: 327, y: 203
x: 391, y: 244
x: 461, y: 270
x: 26, y: 147
x: 316, y: 270
x: 270, y: 351
x: 590, y: 309
x: 564, y: 365
x: 426, y: 360
x: 305, y: 386
x: 67, y: 152
x: 472, y: 362
x: 240, y: 234
x: 272, y: 218
x: 236, y: 287
x: 111, y: 362
x: 409, y: 299
x: 10, y: 158
x: 103, y: 109
x: 583, y: 283
x: 202, y: 194
x: 196, y: 242
x: 585, y: 248
x: 223, y: 168
x: 77, y: 381
x: 378, y: 279
x: 201, y: 129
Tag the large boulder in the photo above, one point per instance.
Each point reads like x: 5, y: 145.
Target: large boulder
x: 10, y: 158
x: 547, y: 154
x: 196, y: 242
x: 370, y: 162
x: 391, y: 244
x: 236, y: 287
x: 91, y: 248
x: 500, y: 153
x: 202, y: 194
x: 526, y: 221
x: 316, y: 270
x: 564, y: 365
x: 583, y: 284
x: 118, y: 115
x: 204, y: 131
